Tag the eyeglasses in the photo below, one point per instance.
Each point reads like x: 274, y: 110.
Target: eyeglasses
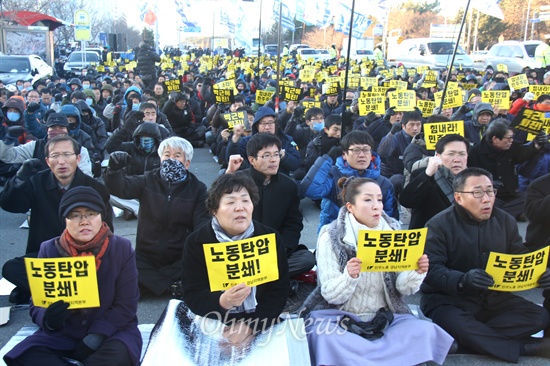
x: 57, y: 156
x: 479, y: 194
x: 270, y: 156
x: 264, y: 124
x: 75, y: 216
x: 508, y: 137
x: 359, y: 151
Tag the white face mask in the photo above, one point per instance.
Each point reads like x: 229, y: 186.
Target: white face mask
x: 89, y: 101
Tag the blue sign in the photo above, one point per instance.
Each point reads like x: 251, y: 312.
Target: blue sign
x: 535, y: 20
x: 192, y: 29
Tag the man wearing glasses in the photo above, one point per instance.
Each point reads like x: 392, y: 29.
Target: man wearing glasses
x: 499, y: 153
x: 456, y: 294
x: 41, y: 191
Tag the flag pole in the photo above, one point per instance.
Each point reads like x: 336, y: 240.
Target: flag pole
x: 347, y: 56
x: 278, y: 57
x: 453, y: 58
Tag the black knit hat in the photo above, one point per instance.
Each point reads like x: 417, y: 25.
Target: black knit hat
x: 57, y: 119
x: 81, y: 196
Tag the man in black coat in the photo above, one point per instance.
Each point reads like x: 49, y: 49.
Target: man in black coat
x: 41, y: 192
x: 146, y: 58
x: 279, y: 206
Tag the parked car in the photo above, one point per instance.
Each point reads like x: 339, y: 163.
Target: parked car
x: 436, y: 53
x: 359, y: 55
x: 317, y: 55
x: 79, y: 60
x: 479, y: 56
x: 23, y: 67
x: 270, y: 50
x: 517, y: 56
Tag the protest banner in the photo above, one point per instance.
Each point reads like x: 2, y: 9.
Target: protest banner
x: 517, y: 272
x: 398, y: 84
x: 531, y: 121
x: 539, y: 90
x: 224, y: 91
x: 307, y: 74
x: 289, y: 93
x: 453, y: 98
x: 435, y: 131
x: 71, y: 279
x: 498, y: 98
x: 235, y: 118
x: 430, y: 79
x: 263, y: 96
x: 403, y: 100
x: 426, y: 106
x: 502, y: 68
x: 310, y: 104
x: 368, y: 81
x: 518, y: 82
x: 390, y: 251
x: 251, y: 261
x: 173, y: 85
x: 371, y: 102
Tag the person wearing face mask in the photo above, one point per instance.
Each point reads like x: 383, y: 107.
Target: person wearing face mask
x: 172, y: 201
x: 13, y: 111
x: 304, y: 133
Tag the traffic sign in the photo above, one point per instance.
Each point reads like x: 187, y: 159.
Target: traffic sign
x: 83, y: 30
x: 535, y: 20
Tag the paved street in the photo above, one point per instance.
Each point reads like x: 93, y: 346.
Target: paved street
x: 13, y: 239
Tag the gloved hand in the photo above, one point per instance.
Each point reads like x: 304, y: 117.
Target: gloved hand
x: 541, y: 139
x: 133, y: 120
x: 13, y: 133
x: 544, y: 280
x: 389, y: 112
x: 369, y: 118
x: 298, y: 111
x: 56, y: 315
x: 335, y: 152
x: 464, y: 109
x: 528, y: 97
x: 87, y: 346
x: 33, y: 107
x: 29, y: 168
x: 396, y: 127
x: 119, y: 160
x: 117, y: 98
x: 477, y: 279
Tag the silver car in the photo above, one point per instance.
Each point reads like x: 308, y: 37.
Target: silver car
x: 517, y: 56
x: 23, y: 67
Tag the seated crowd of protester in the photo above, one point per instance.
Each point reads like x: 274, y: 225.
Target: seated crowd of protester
x: 366, y: 165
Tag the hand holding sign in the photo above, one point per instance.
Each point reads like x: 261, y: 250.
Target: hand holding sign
x: 423, y: 264
x: 354, y: 267
x: 544, y: 280
x: 56, y: 315
x: 234, y: 296
x: 477, y: 279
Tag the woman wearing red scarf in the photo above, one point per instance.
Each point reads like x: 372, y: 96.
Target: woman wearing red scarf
x: 104, y: 335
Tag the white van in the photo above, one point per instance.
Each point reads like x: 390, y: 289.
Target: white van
x: 433, y: 52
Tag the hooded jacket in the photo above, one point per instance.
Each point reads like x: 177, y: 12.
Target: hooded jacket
x: 473, y: 129
x: 93, y: 126
x: 84, y: 139
x: 19, y: 104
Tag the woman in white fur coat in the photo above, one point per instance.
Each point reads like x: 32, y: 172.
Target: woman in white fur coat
x: 344, y: 290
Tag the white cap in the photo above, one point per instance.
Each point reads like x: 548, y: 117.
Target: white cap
x: 528, y: 96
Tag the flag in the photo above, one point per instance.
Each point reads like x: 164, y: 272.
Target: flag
x: 287, y: 18
x: 183, y: 7
x: 489, y: 7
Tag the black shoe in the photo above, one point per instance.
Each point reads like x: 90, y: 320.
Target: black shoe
x: 176, y: 290
x: 19, y: 296
x: 540, y: 348
x: 454, y: 348
x: 128, y: 215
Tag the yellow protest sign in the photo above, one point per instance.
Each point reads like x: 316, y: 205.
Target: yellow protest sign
x: 430, y: 79
x: 368, y: 81
x: 499, y: 98
x: 518, y: 82
x: 354, y: 81
x: 398, y: 84
x: 333, y: 87
x: 452, y: 85
x: 426, y: 106
x: 310, y: 104
x: 403, y: 100
x: 390, y: 251
x: 263, y: 96
x: 539, y: 90
x: 468, y: 86
x: 235, y: 118
x: 420, y: 69
x: 435, y: 131
x: 224, y: 91
x: 290, y: 93
x: 230, y: 75
x: 252, y: 261
x: 453, y: 98
x: 172, y: 85
x: 502, y: 68
x: 387, y: 74
x: 371, y: 102
x: 531, y: 121
x: 516, y: 272
x: 71, y: 279
x: 100, y: 68
x: 307, y: 75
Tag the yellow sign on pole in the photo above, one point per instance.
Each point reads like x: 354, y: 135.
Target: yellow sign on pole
x: 453, y: 98
x: 82, y: 24
x: 499, y: 98
x: 390, y: 251
x: 435, y: 131
x: 517, y: 272
x: 252, y: 261
x: 71, y: 279
x: 403, y: 100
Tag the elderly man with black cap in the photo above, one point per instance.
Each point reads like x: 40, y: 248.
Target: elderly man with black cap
x: 265, y: 120
x: 107, y: 334
x: 182, y: 120
x: 40, y: 191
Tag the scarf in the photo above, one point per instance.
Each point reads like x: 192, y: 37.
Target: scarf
x: 173, y: 171
x: 444, y: 179
x: 67, y: 247
x: 249, y: 304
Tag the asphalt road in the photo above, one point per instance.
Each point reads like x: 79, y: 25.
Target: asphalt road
x: 13, y: 240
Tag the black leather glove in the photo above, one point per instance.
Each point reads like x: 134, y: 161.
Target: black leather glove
x: 544, y: 280
x: 13, y: 133
x: 132, y: 120
x: 464, y: 109
x: 541, y: 139
x: 477, y: 279
x: 56, y: 315
x: 119, y: 160
x: 396, y: 127
x: 29, y: 168
x: 33, y: 107
x: 87, y: 346
x: 117, y: 98
x: 298, y: 111
x: 335, y: 152
x: 370, y: 117
x: 389, y: 112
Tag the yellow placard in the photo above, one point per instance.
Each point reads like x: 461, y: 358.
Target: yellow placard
x: 307, y: 75
x: 420, y: 69
x: 71, y: 279
x: 452, y: 85
x: 100, y: 68
x: 390, y: 251
x: 453, y: 98
x: 387, y: 74
x: 290, y: 93
x: 368, y: 81
x: 517, y: 272
x: 502, y: 68
x: 531, y: 121
x: 539, y: 90
x: 518, y: 82
x: 310, y: 104
x: 223, y: 95
x: 426, y: 106
x: 333, y: 87
x: 263, y: 96
x: 435, y: 131
x: 235, y: 118
x: 402, y: 100
x: 398, y: 84
x: 499, y: 98
x: 173, y: 85
x: 430, y: 79
x: 252, y: 261
x: 371, y: 102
